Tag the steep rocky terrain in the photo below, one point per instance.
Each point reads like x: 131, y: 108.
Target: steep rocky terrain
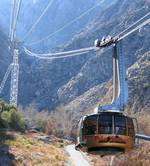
x: 140, y: 45
x: 76, y: 85
x: 31, y: 149
x: 51, y: 83
x: 138, y: 156
x: 139, y: 90
x: 139, y: 83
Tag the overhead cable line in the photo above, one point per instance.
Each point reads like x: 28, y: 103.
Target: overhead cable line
x: 134, y: 24
x: 83, y: 50
x: 17, y: 16
x: 14, y: 20
x: 11, y: 17
x: 16, y: 10
x: 57, y: 57
x: 38, y: 20
x: 133, y: 30
x: 66, y: 25
x: 63, y: 53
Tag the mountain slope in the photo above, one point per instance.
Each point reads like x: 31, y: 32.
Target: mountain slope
x: 58, y: 15
x: 97, y: 70
x: 138, y: 80
x: 22, y: 148
x: 51, y: 83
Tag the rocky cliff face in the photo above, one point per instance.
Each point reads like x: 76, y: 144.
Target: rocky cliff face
x: 91, y: 74
x: 98, y: 69
x: 139, y: 90
x: 51, y: 83
x: 139, y: 83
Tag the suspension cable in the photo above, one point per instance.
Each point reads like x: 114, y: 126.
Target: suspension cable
x: 16, y: 10
x: 17, y: 16
x: 63, y: 53
x: 57, y: 57
x: 69, y: 53
x: 68, y: 24
x: 14, y: 20
x: 12, y: 17
x: 38, y: 20
x: 133, y: 30
x: 131, y: 26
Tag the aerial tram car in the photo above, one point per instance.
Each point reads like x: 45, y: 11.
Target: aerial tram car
x: 106, y: 129
x: 109, y: 127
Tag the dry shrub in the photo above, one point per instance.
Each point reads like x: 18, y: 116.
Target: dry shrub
x: 144, y: 122
x: 137, y: 157
x: 29, y: 151
x: 143, y: 118
x: 60, y: 123
x: 35, y: 119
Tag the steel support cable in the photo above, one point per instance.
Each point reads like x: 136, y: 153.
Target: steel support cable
x: 85, y: 49
x: 13, y: 19
x: 63, y: 53
x: 17, y: 15
x: 133, y: 30
x: 68, y: 52
x: 5, y: 78
x: 66, y: 25
x: 132, y: 25
x: 58, y: 57
x: 38, y: 20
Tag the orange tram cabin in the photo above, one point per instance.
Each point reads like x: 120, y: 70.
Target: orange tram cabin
x: 106, y: 130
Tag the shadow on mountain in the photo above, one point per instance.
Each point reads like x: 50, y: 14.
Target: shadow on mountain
x: 6, y: 158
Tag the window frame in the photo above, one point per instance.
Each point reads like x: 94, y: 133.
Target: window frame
x: 104, y: 125
x: 122, y: 126
x: 85, y: 126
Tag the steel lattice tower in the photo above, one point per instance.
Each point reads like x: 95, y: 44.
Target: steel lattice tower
x: 14, y: 79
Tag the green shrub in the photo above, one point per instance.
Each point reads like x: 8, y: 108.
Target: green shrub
x: 5, y: 118
x: 10, y: 117
x: 40, y: 124
x: 17, y: 121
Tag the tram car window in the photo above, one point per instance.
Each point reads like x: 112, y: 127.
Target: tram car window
x: 90, y: 125
x: 105, y: 124
x: 120, y: 125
